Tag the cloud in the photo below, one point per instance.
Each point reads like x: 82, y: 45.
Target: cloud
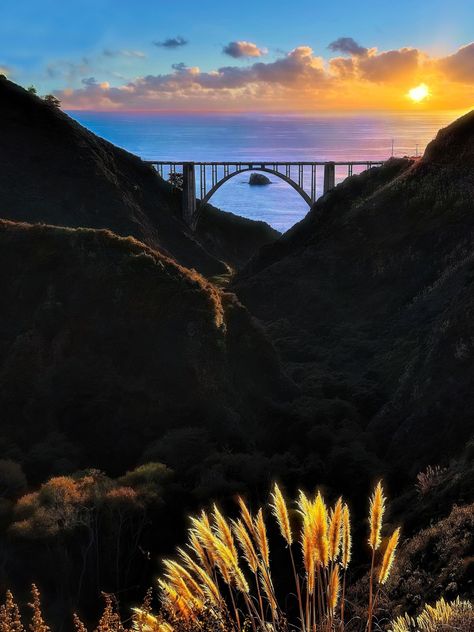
x: 179, y: 67
x: 242, y: 48
x: 138, y: 54
x: 460, y: 65
x: 343, y: 67
x: 300, y: 69
x: 172, y: 42
x: 390, y: 65
x: 348, y: 46
x: 295, y: 80
x: 4, y: 70
x: 69, y: 70
x: 387, y: 66
x: 89, y: 81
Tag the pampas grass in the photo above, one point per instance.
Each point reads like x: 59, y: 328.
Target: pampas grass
x: 222, y: 580
x: 228, y: 566
x: 389, y: 556
x: 376, y: 512
x: 456, y: 616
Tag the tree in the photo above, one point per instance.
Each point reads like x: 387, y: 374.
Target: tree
x: 176, y: 179
x: 32, y: 90
x: 148, y: 480
x: 51, y: 100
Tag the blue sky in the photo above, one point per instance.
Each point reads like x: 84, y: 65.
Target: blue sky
x: 59, y: 44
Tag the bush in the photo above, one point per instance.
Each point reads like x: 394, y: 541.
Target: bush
x: 51, y: 100
x: 429, y: 479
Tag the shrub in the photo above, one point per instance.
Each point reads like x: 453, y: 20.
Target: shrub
x: 176, y: 179
x: 429, y: 479
x: 51, y: 100
x: 11, y: 619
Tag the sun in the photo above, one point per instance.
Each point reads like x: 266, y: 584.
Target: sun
x: 418, y: 94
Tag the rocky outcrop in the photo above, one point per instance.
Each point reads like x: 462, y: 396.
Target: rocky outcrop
x: 258, y: 179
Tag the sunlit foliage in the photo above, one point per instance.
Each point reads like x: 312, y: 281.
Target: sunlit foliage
x: 225, y: 570
x: 454, y: 615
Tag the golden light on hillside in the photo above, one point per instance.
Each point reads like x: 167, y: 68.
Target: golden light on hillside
x: 419, y: 93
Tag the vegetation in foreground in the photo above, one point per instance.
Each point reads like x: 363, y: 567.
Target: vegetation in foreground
x: 454, y: 615
x: 211, y: 576
x: 223, y: 579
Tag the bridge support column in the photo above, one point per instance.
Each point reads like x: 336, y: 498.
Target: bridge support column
x: 329, y: 176
x: 188, y: 201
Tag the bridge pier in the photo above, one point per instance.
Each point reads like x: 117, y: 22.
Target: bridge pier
x: 329, y: 176
x: 188, y: 199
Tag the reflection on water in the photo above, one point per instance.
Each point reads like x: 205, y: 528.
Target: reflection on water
x: 206, y: 137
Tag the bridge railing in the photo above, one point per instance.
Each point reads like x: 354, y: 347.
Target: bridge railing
x: 303, y: 173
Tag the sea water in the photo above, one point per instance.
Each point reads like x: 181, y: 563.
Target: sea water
x: 265, y: 137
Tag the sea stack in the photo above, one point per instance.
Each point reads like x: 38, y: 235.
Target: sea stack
x: 258, y: 179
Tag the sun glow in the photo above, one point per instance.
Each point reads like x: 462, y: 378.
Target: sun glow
x: 420, y: 93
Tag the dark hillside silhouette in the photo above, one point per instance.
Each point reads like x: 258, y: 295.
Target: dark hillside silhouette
x: 53, y: 170
x: 374, y: 286
x: 108, y: 345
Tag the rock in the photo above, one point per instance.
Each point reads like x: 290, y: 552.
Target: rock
x: 259, y: 179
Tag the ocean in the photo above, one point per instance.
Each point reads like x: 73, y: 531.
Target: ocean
x: 257, y: 137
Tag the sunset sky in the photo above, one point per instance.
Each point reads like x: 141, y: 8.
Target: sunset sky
x: 301, y: 56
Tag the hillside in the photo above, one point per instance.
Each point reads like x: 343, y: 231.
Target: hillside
x: 106, y: 345
x: 370, y: 300
x: 133, y: 391
x: 53, y: 170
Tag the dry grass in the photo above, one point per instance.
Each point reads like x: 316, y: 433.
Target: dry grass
x: 211, y: 576
x: 223, y: 581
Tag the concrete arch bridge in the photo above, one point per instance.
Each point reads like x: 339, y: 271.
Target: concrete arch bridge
x: 208, y: 177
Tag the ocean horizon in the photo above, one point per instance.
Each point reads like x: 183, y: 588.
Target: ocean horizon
x: 253, y: 137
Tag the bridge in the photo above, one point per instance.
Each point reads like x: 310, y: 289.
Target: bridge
x: 210, y: 176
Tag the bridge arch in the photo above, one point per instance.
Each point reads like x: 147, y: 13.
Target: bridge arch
x: 227, y: 177
x: 190, y: 209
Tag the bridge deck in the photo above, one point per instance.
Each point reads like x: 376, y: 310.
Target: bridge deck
x: 246, y: 163
x: 304, y: 181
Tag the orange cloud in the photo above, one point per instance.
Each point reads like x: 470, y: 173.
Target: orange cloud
x: 300, y: 80
x: 460, y: 65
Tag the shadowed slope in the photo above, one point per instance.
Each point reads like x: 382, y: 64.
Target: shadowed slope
x: 111, y: 344
x: 376, y: 283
